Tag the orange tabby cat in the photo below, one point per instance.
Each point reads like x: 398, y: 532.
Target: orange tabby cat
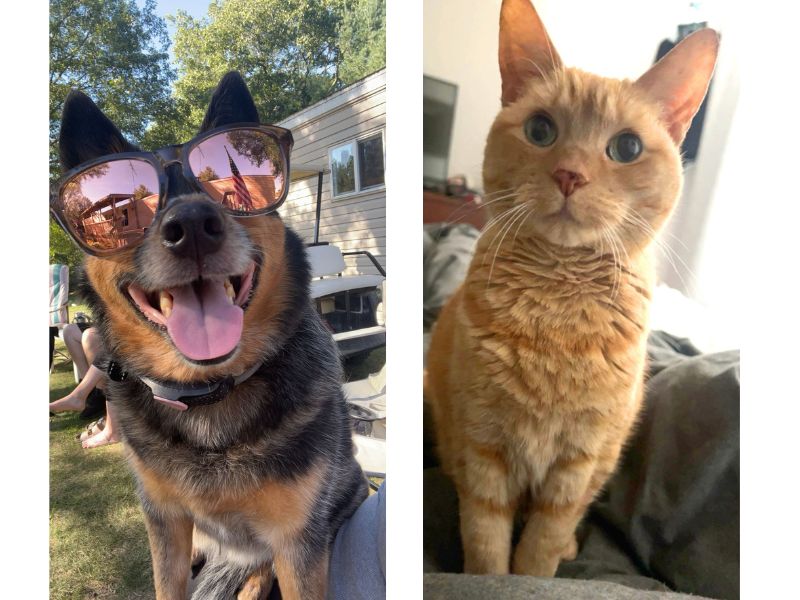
x: 536, y: 366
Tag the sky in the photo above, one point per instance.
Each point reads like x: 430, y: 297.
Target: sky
x: 196, y: 8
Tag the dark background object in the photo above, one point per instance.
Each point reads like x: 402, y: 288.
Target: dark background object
x: 438, y: 111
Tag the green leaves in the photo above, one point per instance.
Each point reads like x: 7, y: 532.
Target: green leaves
x: 114, y: 51
x: 292, y: 53
x: 62, y: 249
x: 362, y: 39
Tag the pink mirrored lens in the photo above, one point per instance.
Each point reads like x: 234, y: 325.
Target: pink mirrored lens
x: 112, y: 204
x: 242, y: 169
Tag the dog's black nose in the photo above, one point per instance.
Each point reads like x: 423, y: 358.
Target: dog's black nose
x: 193, y: 229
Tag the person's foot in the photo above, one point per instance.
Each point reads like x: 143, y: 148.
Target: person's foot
x: 71, y: 401
x: 103, y: 438
x: 92, y: 429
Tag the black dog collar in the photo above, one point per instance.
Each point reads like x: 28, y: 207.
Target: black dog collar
x: 183, y: 396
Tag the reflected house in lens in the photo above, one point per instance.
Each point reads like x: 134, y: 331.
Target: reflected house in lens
x: 110, y: 221
x: 261, y: 188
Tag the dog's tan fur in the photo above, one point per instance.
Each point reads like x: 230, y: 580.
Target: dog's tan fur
x: 147, y: 348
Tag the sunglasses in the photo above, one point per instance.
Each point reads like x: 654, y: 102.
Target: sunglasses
x: 106, y: 205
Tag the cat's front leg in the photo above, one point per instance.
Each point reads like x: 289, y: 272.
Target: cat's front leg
x: 558, y: 506
x: 486, y: 508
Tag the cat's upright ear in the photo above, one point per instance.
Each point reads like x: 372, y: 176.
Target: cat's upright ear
x: 230, y: 103
x: 525, y: 48
x: 86, y: 133
x: 679, y: 81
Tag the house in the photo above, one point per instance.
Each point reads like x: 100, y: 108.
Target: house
x: 342, y: 135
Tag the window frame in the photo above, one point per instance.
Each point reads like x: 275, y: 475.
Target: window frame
x: 353, y: 144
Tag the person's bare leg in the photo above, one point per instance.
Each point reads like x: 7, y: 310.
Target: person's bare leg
x: 76, y: 399
x: 108, y: 435
x: 72, y: 339
x: 93, y: 347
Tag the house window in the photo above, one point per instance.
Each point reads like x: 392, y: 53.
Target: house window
x: 357, y: 165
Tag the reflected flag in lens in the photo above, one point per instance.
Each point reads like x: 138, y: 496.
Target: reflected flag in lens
x: 239, y: 187
x: 242, y: 168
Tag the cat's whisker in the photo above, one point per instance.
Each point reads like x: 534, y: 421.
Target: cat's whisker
x: 470, y: 209
x: 624, y: 267
x: 494, y: 220
x: 622, y: 248
x: 499, y: 245
x: 501, y: 220
x: 516, y: 233
x: 498, y: 192
x: 666, y: 250
x: 634, y: 212
x: 550, y: 52
x: 506, y: 217
x: 486, y: 226
x: 616, y: 281
x: 498, y: 218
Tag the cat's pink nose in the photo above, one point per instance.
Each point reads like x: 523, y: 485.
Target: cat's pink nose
x: 569, y: 181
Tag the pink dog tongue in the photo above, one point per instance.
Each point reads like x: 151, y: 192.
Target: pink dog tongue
x: 203, y: 323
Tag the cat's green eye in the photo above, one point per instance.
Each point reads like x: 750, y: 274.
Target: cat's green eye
x: 541, y: 130
x: 625, y: 147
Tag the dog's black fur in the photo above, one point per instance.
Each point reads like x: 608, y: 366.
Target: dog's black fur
x: 286, y: 424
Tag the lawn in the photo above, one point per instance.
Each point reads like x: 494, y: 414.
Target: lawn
x: 98, y: 543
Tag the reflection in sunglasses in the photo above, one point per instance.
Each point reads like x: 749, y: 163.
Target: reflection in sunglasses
x: 241, y: 169
x: 117, y: 217
x: 110, y: 205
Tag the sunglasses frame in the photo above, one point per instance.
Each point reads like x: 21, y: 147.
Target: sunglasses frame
x: 161, y: 159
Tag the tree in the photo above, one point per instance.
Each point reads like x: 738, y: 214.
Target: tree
x: 256, y: 147
x: 62, y: 249
x: 362, y: 39
x: 207, y: 174
x: 141, y: 191
x: 287, y: 50
x: 116, y: 52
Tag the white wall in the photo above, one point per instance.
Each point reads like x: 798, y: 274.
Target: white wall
x: 460, y: 46
x: 614, y: 38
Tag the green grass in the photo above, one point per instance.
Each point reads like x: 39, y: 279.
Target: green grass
x: 98, y: 543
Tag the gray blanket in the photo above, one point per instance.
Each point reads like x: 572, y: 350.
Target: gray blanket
x: 669, y: 518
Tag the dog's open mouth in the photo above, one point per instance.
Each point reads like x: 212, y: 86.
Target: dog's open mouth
x: 203, y: 318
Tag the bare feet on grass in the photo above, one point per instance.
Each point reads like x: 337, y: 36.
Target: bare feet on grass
x: 104, y: 438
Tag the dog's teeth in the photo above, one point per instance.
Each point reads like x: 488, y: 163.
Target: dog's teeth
x: 165, y: 302
x: 229, y: 290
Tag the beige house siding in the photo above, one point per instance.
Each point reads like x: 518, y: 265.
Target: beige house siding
x: 353, y: 222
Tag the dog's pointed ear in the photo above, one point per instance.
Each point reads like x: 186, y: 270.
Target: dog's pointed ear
x: 231, y: 103
x: 86, y: 133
